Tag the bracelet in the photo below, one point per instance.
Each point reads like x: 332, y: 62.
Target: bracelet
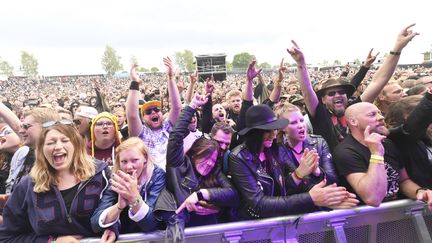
x: 118, y: 207
x: 375, y: 161
x: 136, y: 203
x: 297, y: 174
x: 421, y: 188
x: 134, y: 85
x: 396, y: 53
x: 377, y: 157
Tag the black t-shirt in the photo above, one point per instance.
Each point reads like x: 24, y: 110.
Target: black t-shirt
x: 322, y: 124
x: 350, y: 156
x: 68, y: 196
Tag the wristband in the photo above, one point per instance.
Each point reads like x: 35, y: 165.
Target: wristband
x: 200, y: 196
x: 396, y: 53
x: 134, y: 85
x: 376, y: 157
x: 374, y: 161
x: 136, y: 203
x: 421, y: 188
x: 297, y: 174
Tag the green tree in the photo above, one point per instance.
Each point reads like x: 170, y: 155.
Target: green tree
x: 357, y: 61
x: 154, y: 69
x: 337, y: 63
x: 29, y: 64
x: 229, y: 66
x: 111, y: 61
x: 265, y: 65
x: 185, y: 60
x: 242, y: 60
x: 143, y: 69
x: 6, y: 68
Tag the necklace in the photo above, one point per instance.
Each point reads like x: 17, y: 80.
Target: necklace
x: 298, y: 153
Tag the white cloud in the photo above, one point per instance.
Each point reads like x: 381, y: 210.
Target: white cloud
x: 69, y: 37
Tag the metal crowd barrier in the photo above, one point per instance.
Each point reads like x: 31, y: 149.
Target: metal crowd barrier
x: 397, y: 221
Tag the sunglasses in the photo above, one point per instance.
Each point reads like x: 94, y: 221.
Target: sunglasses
x: 149, y: 111
x: 26, y: 126
x: 59, y: 122
x: 333, y: 93
x: 77, y: 122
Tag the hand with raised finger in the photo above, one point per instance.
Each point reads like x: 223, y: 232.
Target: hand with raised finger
x: 209, y: 85
x: 134, y: 75
x: 189, y: 203
x: 198, y: 101
x: 193, y: 77
x: 404, y: 37
x: 252, y: 72
x: 370, y: 59
x: 296, y: 54
x: 374, y: 142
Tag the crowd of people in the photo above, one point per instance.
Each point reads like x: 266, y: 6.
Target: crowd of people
x: 98, y: 157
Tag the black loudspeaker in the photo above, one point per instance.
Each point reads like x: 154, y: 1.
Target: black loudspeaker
x: 208, y: 65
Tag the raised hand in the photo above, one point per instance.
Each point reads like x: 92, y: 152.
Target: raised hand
x: 405, y: 36
x: 282, y: 69
x: 169, y: 67
x: 252, y: 72
x: 296, y: 54
x: 193, y: 77
x: 198, y: 101
x: 370, y: 58
x: 134, y: 75
x: 209, y: 85
x: 374, y: 141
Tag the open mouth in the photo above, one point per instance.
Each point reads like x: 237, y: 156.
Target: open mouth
x: 105, y: 132
x: 221, y: 115
x: 58, y: 158
x: 155, y: 119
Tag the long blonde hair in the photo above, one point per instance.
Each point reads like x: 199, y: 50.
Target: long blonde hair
x: 83, y: 167
x: 135, y: 142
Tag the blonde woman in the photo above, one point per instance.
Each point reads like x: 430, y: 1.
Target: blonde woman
x: 55, y: 202
x: 136, y: 183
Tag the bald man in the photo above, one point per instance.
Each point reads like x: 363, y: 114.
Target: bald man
x: 369, y: 164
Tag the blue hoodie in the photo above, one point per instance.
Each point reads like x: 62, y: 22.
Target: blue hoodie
x: 33, y: 217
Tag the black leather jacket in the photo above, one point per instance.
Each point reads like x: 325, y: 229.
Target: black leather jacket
x: 183, y: 180
x: 326, y: 166
x: 264, y: 195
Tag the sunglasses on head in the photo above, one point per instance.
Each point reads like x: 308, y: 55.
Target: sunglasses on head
x: 333, y: 93
x: 59, y: 122
x: 149, y: 111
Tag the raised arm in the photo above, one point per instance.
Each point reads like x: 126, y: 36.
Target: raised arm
x: 173, y: 92
x: 251, y: 73
x: 191, y: 87
x: 10, y: 118
x: 275, y: 94
x: 132, y: 104
x: 311, y: 99
x: 385, y: 72
x: 359, y: 76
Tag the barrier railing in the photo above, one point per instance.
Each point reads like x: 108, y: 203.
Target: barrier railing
x: 397, y: 221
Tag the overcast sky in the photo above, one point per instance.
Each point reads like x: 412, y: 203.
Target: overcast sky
x: 69, y: 37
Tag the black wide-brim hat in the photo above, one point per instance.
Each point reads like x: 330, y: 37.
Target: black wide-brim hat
x: 336, y: 83
x: 262, y: 117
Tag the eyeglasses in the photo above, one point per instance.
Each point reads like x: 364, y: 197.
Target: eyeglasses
x: 102, y: 124
x: 26, y: 126
x: 149, y: 111
x: 333, y: 93
x: 77, y: 122
x: 59, y: 122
